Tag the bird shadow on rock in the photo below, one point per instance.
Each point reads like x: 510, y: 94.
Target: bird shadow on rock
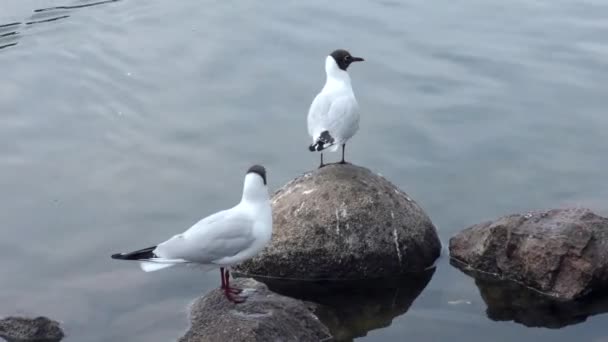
x: 507, y: 300
x: 350, y: 309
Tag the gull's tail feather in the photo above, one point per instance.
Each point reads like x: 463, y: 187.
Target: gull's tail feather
x: 155, y: 264
x: 149, y: 261
x: 149, y: 266
x: 324, y: 141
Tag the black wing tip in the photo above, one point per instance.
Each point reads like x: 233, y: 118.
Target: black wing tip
x: 146, y: 253
x: 324, y: 139
x: 317, y: 147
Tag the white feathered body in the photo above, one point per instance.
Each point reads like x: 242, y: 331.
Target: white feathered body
x: 335, y: 108
x: 222, y: 239
x: 225, y: 238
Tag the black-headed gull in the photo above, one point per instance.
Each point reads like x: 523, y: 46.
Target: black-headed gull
x: 333, y: 117
x: 220, y: 240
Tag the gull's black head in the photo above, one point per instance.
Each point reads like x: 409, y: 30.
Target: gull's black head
x: 258, y: 169
x: 343, y: 58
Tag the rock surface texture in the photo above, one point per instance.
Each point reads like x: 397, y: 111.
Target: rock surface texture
x: 21, y: 329
x: 562, y: 253
x: 264, y: 316
x: 345, y: 222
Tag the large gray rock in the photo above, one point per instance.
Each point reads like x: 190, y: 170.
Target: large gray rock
x: 22, y: 329
x: 345, y: 222
x: 264, y: 316
x: 562, y: 253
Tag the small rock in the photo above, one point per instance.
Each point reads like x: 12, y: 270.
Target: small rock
x: 22, y: 329
x: 345, y: 222
x: 562, y: 253
x: 264, y: 316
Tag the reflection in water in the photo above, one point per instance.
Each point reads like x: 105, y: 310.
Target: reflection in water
x: 352, y: 309
x: 9, y: 33
x: 509, y: 301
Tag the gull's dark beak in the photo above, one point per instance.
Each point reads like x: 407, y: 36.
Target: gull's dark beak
x: 357, y: 59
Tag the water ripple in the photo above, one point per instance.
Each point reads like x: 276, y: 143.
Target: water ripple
x: 74, y: 6
x: 125, y: 122
x: 41, y: 15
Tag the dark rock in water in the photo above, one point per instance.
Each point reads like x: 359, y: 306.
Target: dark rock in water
x: 21, y: 329
x: 562, y: 253
x: 318, y: 311
x: 264, y: 316
x: 345, y: 222
x: 509, y: 301
x: 350, y: 309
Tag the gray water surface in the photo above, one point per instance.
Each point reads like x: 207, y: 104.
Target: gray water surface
x: 124, y: 123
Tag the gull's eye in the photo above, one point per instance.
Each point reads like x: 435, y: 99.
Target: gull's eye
x: 347, y: 58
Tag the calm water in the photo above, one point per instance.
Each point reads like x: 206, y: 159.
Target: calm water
x: 124, y: 123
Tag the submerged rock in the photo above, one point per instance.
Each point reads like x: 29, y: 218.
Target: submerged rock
x: 345, y: 222
x: 287, y: 310
x: 351, y: 309
x: 562, y: 253
x: 22, y: 329
x: 264, y: 316
x: 509, y: 301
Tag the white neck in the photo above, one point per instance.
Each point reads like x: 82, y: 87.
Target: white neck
x: 335, y: 75
x: 254, y: 189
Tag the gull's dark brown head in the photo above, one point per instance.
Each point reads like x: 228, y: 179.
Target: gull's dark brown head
x: 259, y: 170
x: 343, y: 58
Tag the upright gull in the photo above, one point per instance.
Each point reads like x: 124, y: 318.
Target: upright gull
x: 333, y: 117
x: 220, y: 240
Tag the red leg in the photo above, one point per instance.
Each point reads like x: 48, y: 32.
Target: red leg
x: 228, y: 287
x: 231, y: 292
